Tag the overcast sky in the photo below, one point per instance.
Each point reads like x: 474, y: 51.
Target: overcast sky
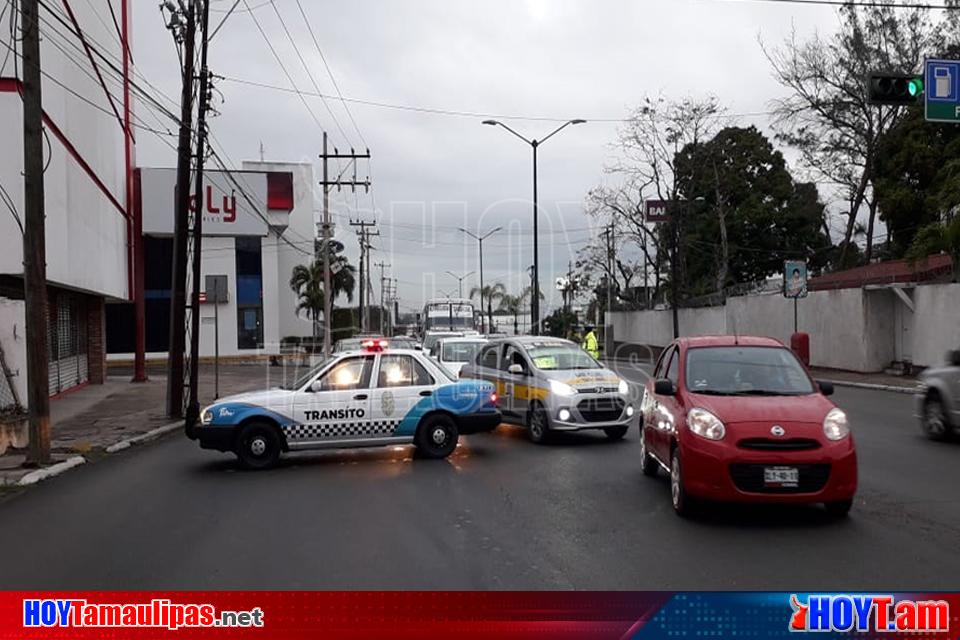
x: 433, y: 173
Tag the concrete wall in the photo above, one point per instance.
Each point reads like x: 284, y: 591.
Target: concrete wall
x: 936, y: 323
x: 85, y: 233
x: 13, y: 341
x: 851, y: 329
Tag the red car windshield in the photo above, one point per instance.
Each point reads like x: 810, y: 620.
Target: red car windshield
x: 761, y: 371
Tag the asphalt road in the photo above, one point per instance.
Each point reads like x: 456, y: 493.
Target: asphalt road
x: 501, y: 513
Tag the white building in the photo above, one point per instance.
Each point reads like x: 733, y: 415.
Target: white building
x: 88, y: 178
x: 258, y: 225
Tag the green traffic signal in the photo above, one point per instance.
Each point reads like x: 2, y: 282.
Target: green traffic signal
x: 897, y: 89
x: 915, y: 87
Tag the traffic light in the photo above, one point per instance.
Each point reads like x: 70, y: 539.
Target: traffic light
x: 894, y: 88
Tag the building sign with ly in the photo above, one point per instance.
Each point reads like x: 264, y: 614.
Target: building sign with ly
x: 226, y: 211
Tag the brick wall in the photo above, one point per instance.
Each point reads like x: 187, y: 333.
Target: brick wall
x: 96, y: 344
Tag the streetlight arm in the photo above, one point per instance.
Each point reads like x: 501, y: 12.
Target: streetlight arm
x: 469, y: 233
x: 497, y: 122
x: 490, y: 233
x: 559, y: 129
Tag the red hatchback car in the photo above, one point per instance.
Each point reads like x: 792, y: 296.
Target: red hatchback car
x: 735, y: 418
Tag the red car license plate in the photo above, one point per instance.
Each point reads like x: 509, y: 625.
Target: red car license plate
x: 781, y: 476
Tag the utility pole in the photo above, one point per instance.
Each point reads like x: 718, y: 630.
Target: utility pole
x: 34, y: 241
x: 327, y: 228
x: 383, y: 305
x: 674, y: 271
x: 193, y: 404
x: 364, y: 237
x: 396, y: 306
x: 181, y: 223
x: 608, y: 232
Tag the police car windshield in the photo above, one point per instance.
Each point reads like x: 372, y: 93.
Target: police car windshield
x: 302, y: 380
x: 559, y: 356
x: 746, y: 371
x: 460, y: 351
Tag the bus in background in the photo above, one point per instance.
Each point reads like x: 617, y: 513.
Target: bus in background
x: 448, y: 314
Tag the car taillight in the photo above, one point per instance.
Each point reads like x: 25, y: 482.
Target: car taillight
x: 494, y: 397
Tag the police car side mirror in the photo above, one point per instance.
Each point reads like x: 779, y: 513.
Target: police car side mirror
x: 664, y: 387
x: 516, y: 369
x: 316, y: 386
x: 953, y: 357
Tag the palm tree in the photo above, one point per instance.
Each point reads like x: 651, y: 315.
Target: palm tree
x: 491, y: 292
x: 307, y: 282
x: 513, y: 305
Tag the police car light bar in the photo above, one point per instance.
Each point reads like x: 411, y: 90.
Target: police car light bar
x: 374, y: 345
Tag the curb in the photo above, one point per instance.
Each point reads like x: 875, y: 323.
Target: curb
x: 42, y: 474
x: 872, y: 386
x: 54, y: 470
x: 143, y: 437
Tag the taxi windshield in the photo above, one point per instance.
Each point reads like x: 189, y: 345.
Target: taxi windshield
x: 733, y: 371
x: 460, y: 351
x: 558, y: 356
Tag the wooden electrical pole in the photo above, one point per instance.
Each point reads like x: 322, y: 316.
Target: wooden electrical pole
x: 383, y: 302
x: 363, y: 233
x: 178, y: 295
x: 34, y: 241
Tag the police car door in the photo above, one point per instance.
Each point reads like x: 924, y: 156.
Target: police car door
x: 336, y: 406
x: 401, y: 382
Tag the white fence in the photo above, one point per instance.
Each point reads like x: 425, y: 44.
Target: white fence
x: 853, y: 329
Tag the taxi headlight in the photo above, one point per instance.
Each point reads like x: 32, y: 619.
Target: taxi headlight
x: 206, y: 416
x: 835, y: 425
x: 705, y: 424
x: 561, y: 388
x: 623, y: 387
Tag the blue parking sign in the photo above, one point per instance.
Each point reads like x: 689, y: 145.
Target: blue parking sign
x: 941, y: 79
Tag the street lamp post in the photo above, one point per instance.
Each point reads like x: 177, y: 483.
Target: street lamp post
x: 535, y: 144
x: 480, y: 239
x: 460, y: 280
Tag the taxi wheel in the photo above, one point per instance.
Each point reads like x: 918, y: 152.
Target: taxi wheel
x: 437, y: 436
x: 682, y: 503
x: 539, y: 428
x: 258, y: 446
x: 935, y: 419
x: 615, y: 433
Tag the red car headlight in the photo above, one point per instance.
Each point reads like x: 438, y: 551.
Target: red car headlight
x: 835, y: 425
x: 705, y: 424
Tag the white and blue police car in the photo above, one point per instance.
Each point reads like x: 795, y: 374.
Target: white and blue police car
x: 374, y: 396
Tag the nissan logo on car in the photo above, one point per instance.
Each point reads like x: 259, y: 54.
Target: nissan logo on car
x: 777, y: 430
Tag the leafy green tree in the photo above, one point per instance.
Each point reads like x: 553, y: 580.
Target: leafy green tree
x: 744, y: 213
x: 938, y: 237
x: 307, y: 282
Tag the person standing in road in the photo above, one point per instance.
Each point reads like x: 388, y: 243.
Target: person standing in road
x: 590, y: 343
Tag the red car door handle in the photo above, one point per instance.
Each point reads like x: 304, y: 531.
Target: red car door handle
x: 360, y: 396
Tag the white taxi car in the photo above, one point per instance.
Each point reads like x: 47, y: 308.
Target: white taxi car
x: 375, y: 396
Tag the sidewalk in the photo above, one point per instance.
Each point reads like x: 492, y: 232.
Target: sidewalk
x: 89, y: 421
x: 878, y: 381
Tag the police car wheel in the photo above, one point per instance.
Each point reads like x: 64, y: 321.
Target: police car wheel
x: 840, y: 508
x: 539, y: 428
x: 615, y: 433
x: 437, y: 436
x: 258, y: 446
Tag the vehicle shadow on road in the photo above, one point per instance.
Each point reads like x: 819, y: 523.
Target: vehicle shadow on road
x: 758, y: 516
x: 560, y: 439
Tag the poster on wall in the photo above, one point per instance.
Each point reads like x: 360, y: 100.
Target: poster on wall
x: 227, y: 209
